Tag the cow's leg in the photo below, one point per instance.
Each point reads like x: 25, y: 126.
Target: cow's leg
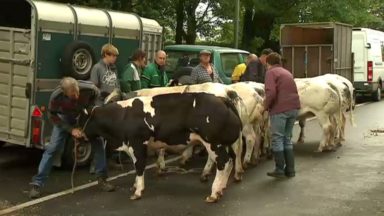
x: 342, y: 131
x: 161, y: 161
x: 224, y: 167
x: 250, y: 141
x: 186, y: 155
x: 138, y: 152
x: 301, y: 136
x: 207, y: 168
x: 327, y: 131
x: 237, y: 147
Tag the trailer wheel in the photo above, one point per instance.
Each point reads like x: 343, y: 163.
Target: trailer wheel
x: 77, y: 60
x: 84, y: 154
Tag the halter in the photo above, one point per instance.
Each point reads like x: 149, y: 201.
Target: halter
x: 90, y: 115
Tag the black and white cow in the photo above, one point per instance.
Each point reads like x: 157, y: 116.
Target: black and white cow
x: 173, y: 119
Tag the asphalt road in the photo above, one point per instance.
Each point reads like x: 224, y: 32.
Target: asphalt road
x: 349, y: 182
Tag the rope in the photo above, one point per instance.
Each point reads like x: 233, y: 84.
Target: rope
x: 76, y: 144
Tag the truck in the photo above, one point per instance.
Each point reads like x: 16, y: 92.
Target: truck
x: 40, y: 43
x: 314, y: 49
x: 368, y: 47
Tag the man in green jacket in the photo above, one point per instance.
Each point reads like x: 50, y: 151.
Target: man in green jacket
x: 130, y: 78
x: 154, y: 74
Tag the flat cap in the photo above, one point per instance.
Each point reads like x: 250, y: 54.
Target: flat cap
x: 205, y: 52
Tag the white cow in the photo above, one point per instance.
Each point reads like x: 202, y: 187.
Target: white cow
x: 318, y: 98
x: 344, y: 88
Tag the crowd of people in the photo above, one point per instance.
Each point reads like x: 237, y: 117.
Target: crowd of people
x: 67, y: 101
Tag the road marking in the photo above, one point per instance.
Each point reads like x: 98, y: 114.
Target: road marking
x: 70, y: 191
x: 358, y: 105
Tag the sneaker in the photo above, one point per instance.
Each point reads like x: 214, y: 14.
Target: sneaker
x: 35, y: 192
x: 105, y: 186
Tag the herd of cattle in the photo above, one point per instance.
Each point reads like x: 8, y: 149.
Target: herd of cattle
x: 220, y: 117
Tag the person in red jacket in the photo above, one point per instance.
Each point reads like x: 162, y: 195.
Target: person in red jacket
x: 282, y: 102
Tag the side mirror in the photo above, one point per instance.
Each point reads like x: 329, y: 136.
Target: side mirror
x: 368, y: 46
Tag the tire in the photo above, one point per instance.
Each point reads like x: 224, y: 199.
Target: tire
x: 84, y: 154
x: 77, y: 60
x: 376, y: 96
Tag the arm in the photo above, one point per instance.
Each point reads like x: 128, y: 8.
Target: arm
x: 95, y: 76
x: 146, y: 78
x: 194, y: 77
x: 270, y: 90
x: 126, y: 78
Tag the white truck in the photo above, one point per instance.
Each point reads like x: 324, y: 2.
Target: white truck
x: 368, y: 49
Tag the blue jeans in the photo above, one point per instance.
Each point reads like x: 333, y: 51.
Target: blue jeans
x: 56, y: 145
x: 282, y: 126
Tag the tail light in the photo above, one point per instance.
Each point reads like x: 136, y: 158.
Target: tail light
x: 370, y: 71
x: 37, y: 123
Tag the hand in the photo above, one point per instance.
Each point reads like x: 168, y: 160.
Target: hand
x: 77, y: 133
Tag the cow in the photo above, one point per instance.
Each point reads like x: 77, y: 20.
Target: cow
x: 170, y: 118
x: 345, y: 91
x: 321, y: 99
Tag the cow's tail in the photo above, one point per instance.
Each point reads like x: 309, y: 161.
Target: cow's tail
x: 339, y: 95
x: 351, y: 104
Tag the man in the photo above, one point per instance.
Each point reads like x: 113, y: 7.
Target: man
x: 65, y: 104
x: 104, y: 73
x: 282, y: 102
x: 255, y: 70
x: 240, y: 68
x: 154, y: 74
x: 205, y: 71
x: 130, y: 78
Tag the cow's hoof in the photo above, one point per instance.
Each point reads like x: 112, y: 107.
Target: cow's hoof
x: 238, y: 177
x: 211, y: 199
x: 204, y: 178
x: 161, y: 172
x: 135, y: 197
x: 300, y: 142
x: 245, y: 165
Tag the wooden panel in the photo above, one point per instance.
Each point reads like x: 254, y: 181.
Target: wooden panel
x: 3, y: 121
x: 18, y: 92
x: 299, y: 62
x: 18, y: 113
x: 21, y: 70
x: 19, y: 80
x: 4, y: 100
x: 313, y: 62
x: 287, y: 58
x: 327, y: 60
x: 4, y: 110
x: 292, y: 35
x: 5, y: 46
x: 4, y: 90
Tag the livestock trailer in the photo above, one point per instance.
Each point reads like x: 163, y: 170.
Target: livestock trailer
x: 313, y: 49
x: 41, y: 42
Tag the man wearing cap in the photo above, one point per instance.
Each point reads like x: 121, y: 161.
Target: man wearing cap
x: 205, y: 71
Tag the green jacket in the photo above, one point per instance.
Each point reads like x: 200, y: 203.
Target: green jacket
x: 130, y: 78
x: 153, y: 77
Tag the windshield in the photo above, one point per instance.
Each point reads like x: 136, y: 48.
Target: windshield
x: 176, y: 59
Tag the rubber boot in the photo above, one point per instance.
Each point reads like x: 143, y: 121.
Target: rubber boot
x: 289, y: 163
x: 104, y: 185
x: 280, y: 164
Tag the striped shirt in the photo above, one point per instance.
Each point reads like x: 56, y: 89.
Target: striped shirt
x: 200, y: 75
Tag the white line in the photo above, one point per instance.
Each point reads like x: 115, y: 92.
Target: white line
x: 70, y: 191
x: 358, y: 105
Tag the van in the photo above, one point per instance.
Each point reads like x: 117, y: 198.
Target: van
x: 40, y: 43
x: 368, y: 48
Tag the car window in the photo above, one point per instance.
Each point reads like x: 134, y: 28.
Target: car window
x: 229, y: 61
x: 176, y: 59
